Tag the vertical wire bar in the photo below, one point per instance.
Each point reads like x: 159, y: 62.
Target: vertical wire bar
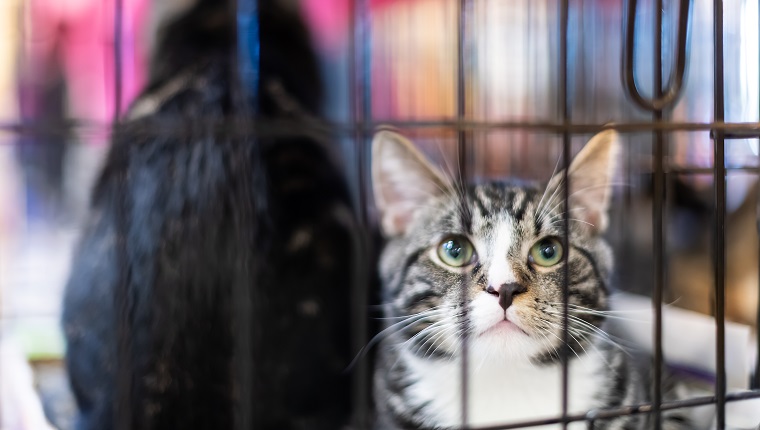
x: 756, y: 379
x: 360, y: 86
x: 123, y: 301
x: 245, y: 409
x: 360, y: 92
x: 657, y: 221
x: 720, y: 209
x: 118, y: 48
x: 123, y: 414
x: 755, y: 383
x: 565, y: 112
x: 463, y: 165
x: 246, y: 83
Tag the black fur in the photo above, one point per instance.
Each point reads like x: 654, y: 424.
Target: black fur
x: 202, y: 243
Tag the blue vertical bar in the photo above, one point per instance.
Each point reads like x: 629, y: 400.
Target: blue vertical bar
x: 248, y: 50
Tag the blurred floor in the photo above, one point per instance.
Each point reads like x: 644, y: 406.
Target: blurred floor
x: 57, y: 400
x: 35, y: 251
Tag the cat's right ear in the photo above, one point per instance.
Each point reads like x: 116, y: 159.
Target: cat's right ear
x: 402, y: 181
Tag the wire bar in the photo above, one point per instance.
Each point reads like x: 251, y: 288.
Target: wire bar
x: 755, y: 382
x: 123, y: 303
x: 644, y: 408
x: 463, y: 159
x: 246, y: 85
x: 657, y: 219
x: 667, y: 97
x: 360, y: 91
x: 123, y: 407
x: 720, y: 215
x: 118, y: 53
x: 565, y: 106
x: 756, y: 379
x: 284, y: 127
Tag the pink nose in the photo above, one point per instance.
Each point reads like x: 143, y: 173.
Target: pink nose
x: 506, y: 293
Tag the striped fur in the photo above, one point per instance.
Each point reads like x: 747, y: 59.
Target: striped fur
x: 513, y: 353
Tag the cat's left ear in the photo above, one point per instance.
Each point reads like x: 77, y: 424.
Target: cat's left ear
x: 403, y: 181
x: 591, y: 176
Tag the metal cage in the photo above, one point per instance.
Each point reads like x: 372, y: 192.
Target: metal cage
x: 659, y: 104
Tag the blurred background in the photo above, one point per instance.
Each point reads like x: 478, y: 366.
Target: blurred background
x: 58, y: 97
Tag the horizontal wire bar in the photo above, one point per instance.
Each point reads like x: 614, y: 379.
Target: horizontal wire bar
x: 709, y: 170
x: 742, y: 130
x: 645, y: 408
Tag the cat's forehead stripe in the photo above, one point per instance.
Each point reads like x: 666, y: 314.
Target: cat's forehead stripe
x: 500, y: 271
x: 490, y: 201
x: 520, y: 205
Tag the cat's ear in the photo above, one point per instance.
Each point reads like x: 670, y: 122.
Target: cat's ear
x: 591, y: 176
x: 402, y: 181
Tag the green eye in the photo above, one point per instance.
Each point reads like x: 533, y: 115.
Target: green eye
x: 456, y: 251
x: 546, y: 252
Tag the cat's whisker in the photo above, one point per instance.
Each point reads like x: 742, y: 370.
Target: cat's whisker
x: 590, y: 342
x: 613, y: 317
x: 607, y: 314
x: 426, y: 311
x: 411, y: 319
x: 394, y: 328
x: 591, y: 187
x: 549, y: 215
x: 572, y: 219
x: 443, y: 335
x: 602, y: 335
x: 454, y: 190
x: 433, y: 341
x: 601, y: 311
x: 561, y: 342
x: 542, y: 331
x: 443, y: 340
x: 545, y: 340
x: 541, y: 211
x: 556, y: 166
x: 571, y: 210
x: 453, y: 336
x: 576, y: 319
x: 572, y: 334
x: 433, y: 331
x: 608, y: 340
x: 424, y: 331
x: 589, y: 328
x: 589, y: 337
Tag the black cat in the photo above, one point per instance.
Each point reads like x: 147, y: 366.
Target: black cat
x: 211, y: 287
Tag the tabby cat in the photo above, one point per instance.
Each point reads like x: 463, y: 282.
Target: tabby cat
x: 495, y: 250
x: 211, y: 287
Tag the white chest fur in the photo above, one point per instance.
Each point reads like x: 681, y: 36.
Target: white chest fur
x: 501, y: 393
